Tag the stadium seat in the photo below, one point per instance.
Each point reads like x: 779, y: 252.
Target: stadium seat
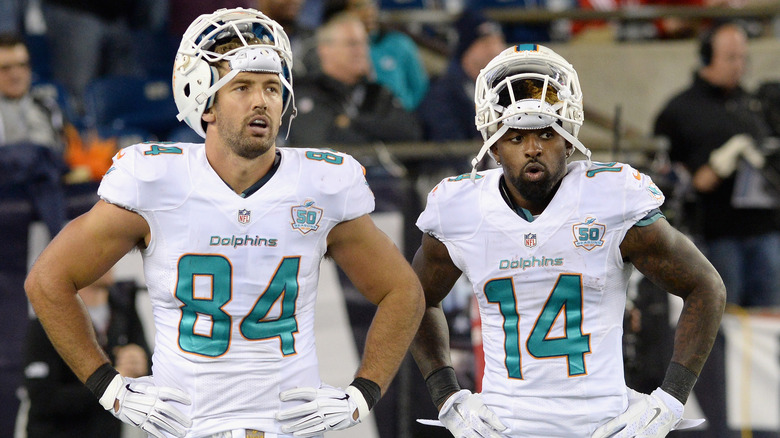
x: 118, y: 104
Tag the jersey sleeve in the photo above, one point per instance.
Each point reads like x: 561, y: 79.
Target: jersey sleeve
x: 360, y: 198
x: 146, y: 176
x: 642, y: 196
x: 429, y: 220
x: 340, y: 181
x: 448, y: 214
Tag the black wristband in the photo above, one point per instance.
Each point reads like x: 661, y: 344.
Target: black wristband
x: 441, y: 383
x: 100, y: 379
x: 679, y: 381
x: 370, y: 390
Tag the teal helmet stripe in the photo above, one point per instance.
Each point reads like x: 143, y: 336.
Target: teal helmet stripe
x: 527, y: 47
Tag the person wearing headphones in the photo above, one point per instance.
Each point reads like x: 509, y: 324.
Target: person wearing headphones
x: 715, y: 130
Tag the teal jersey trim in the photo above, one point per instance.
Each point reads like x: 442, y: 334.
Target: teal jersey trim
x: 650, y: 218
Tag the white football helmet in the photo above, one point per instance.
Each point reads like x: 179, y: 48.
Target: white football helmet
x: 196, y: 79
x: 498, y: 108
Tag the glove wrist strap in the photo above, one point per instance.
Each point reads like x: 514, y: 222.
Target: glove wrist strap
x: 101, y: 379
x: 369, y: 389
x: 109, y: 397
x: 357, y: 396
x: 441, y: 384
x: 678, y: 381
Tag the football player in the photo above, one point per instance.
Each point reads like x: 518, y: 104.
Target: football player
x: 232, y: 233
x: 549, y: 248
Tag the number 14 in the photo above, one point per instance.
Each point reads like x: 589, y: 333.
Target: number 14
x: 566, y: 298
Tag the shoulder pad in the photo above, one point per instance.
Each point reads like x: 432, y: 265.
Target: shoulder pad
x: 150, y: 176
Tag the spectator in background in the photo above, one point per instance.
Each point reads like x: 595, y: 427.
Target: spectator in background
x: 60, y: 405
x: 447, y: 111
x: 341, y: 104
x: 92, y: 38
x: 24, y: 115
x: 286, y: 12
x: 394, y: 55
x: 31, y: 170
x: 715, y: 131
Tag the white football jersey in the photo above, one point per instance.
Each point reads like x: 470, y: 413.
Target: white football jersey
x: 233, y: 280
x: 551, y: 292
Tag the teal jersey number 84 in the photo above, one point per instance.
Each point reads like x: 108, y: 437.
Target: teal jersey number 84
x: 254, y: 326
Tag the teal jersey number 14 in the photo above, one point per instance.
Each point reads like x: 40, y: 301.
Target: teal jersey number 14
x: 565, y: 298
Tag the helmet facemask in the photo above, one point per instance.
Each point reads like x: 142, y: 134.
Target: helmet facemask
x: 528, y: 87
x: 261, y: 46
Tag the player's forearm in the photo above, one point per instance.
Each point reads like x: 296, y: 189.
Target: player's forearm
x: 698, y: 326
x: 431, y: 347
x: 68, y: 326
x: 431, y: 351
x: 392, y: 330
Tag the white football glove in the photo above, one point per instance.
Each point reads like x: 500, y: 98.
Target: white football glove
x: 326, y: 408
x: 144, y: 405
x: 466, y: 416
x: 647, y: 416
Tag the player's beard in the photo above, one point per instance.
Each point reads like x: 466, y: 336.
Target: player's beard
x: 244, y: 145
x: 542, y: 191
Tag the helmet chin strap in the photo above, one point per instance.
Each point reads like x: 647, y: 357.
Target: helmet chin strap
x: 573, y: 140
x: 504, y: 128
x: 485, y: 147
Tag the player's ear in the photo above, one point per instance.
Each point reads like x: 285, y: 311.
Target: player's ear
x: 208, y: 115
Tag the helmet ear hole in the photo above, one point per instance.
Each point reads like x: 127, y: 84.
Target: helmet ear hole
x: 186, y: 90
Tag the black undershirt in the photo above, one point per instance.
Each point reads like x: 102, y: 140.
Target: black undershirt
x: 261, y: 182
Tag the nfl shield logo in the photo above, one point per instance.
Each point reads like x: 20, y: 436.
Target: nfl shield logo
x: 530, y: 240
x: 243, y: 216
